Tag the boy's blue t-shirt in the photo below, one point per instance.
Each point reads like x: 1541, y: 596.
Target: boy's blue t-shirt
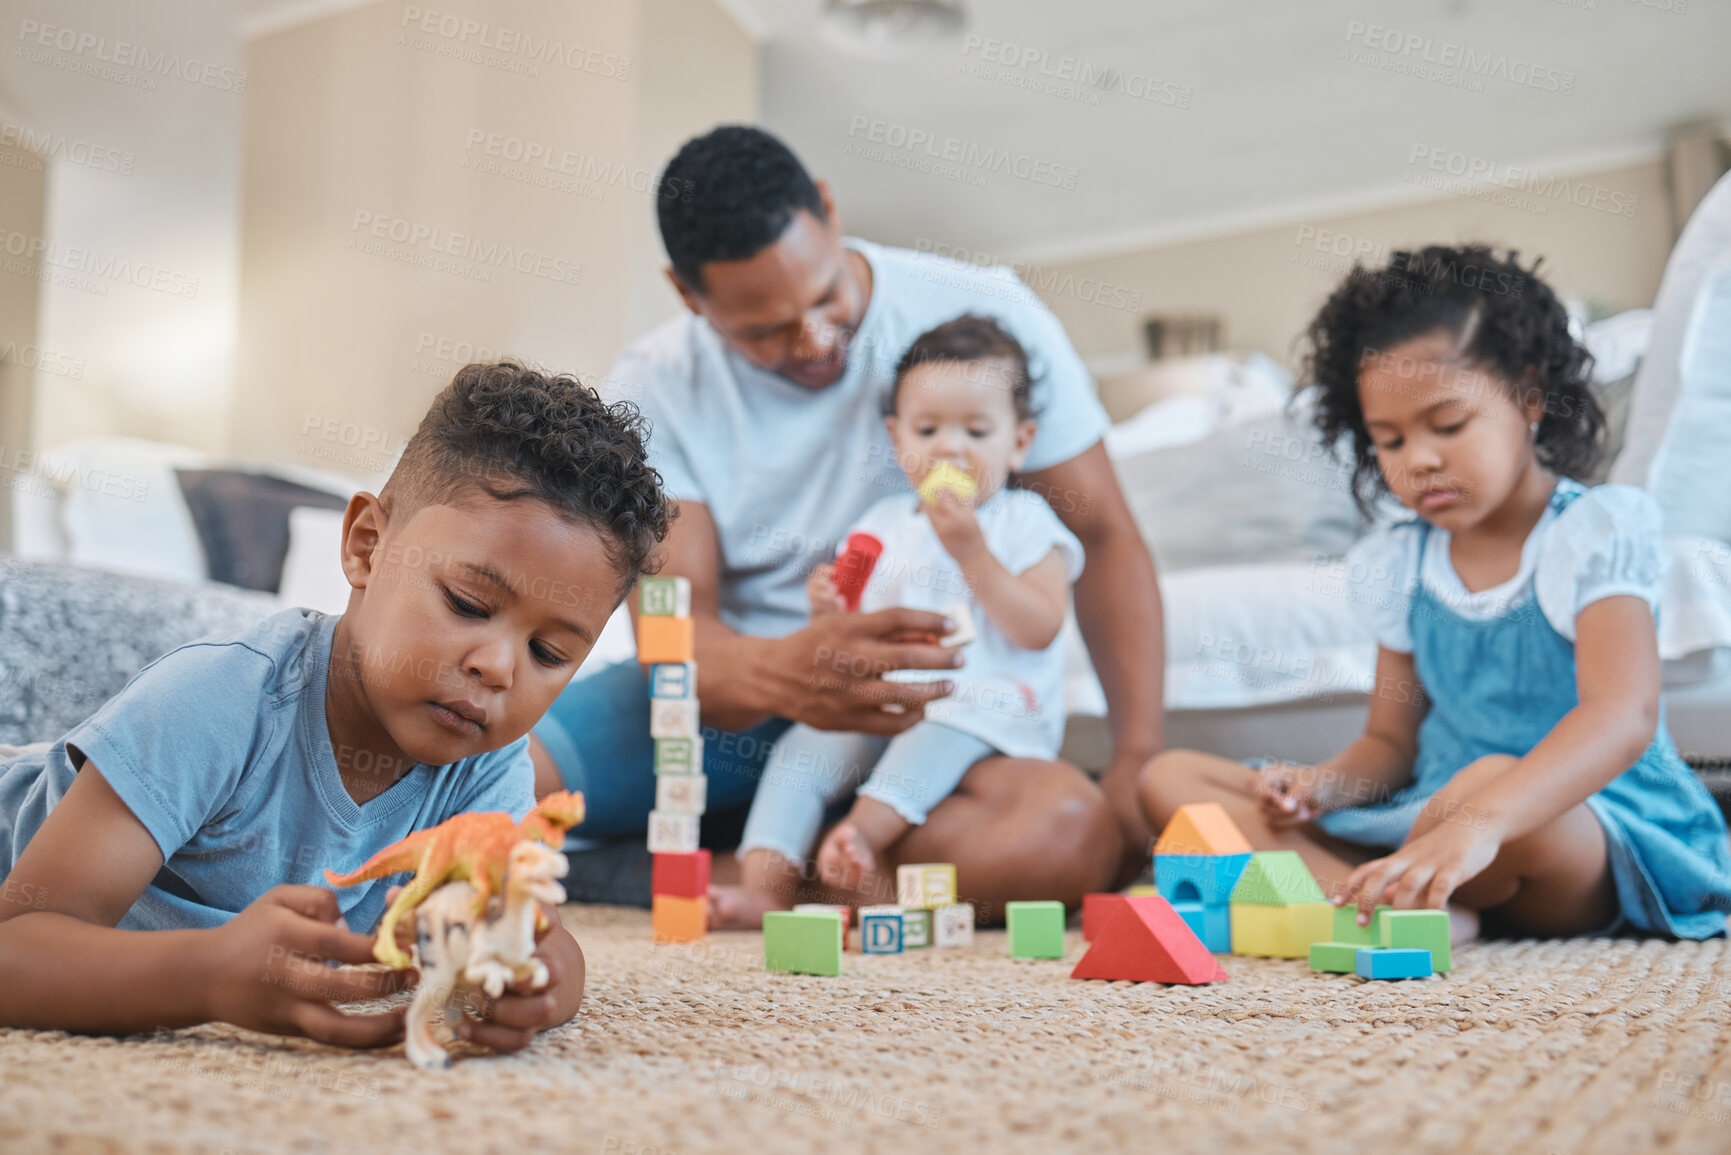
x: 221, y: 750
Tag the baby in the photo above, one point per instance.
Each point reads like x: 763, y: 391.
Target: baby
x: 961, y: 419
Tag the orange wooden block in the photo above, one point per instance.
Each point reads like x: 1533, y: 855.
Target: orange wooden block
x: 662, y: 639
x: 1202, y: 828
x: 680, y: 919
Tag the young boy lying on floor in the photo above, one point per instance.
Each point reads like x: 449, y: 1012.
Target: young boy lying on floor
x: 172, y: 843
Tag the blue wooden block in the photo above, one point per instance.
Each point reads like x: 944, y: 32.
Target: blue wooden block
x: 1212, y: 924
x: 1396, y: 963
x: 1204, y: 878
x: 673, y: 680
x: 880, y: 929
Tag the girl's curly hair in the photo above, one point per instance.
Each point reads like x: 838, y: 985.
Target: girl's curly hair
x: 514, y: 433
x: 1511, y: 325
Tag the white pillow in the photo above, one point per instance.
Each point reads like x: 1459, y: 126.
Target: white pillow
x: 1688, y: 474
x: 312, y: 573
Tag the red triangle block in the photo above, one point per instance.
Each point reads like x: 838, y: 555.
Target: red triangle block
x: 1145, y: 941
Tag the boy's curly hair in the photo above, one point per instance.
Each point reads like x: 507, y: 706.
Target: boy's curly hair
x: 1510, y: 324
x: 513, y: 433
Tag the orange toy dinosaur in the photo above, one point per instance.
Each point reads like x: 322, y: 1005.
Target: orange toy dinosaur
x: 469, y: 847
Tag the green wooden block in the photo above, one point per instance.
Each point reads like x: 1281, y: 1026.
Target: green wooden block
x: 678, y: 755
x: 916, y: 928
x: 665, y: 597
x: 1339, y: 958
x: 1419, y: 930
x: 1276, y: 878
x: 1346, y: 928
x: 1036, y: 929
x: 806, y: 942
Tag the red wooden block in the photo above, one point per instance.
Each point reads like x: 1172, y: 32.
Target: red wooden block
x: 681, y: 875
x: 1096, y: 909
x: 1145, y: 941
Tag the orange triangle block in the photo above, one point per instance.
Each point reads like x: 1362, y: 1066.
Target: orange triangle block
x: 1202, y: 828
x: 1146, y: 941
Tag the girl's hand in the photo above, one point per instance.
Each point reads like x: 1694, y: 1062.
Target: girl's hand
x: 821, y: 592
x: 1291, y: 795
x: 1424, y: 872
x: 266, y: 970
x: 957, y: 525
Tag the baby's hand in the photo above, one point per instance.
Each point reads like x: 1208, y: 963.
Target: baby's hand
x: 820, y: 590
x: 1291, y: 795
x: 957, y: 525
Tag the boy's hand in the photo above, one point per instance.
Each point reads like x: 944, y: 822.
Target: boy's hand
x: 1424, y: 872
x: 1291, y: 795
x: 820, y: 590
x: 266, y: 971
x: 957, y: 525
x: 510, y: 1022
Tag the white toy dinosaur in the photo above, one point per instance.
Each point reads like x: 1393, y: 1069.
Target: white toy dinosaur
x: 456, y: 954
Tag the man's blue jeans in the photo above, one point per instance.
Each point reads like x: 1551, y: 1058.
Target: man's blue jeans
x: 598, y: 734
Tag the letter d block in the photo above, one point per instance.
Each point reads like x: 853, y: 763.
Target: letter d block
x: 880, y: 929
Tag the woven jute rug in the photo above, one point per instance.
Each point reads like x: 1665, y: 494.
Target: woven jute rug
x: 1602, y: 1045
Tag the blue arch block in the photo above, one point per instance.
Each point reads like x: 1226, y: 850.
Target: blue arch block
x: 1204, y: 878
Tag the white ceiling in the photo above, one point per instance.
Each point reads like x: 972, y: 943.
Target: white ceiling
x: 1279, y: 123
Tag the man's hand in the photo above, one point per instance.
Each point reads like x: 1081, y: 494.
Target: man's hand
x: 830, y: 674
x: 266, y: 970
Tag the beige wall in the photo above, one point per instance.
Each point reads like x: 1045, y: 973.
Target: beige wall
x: 365, y: 124
x: 23, y: 193
x: 1268, y: 282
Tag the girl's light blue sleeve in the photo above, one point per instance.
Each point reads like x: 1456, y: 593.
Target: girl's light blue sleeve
x: 1605, y: 545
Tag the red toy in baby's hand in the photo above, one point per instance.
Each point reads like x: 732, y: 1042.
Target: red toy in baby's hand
x: 854, y: 567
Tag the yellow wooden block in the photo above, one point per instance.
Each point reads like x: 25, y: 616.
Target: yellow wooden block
x: 1280, y: 931
x: 1142, y: 891
x: 678, y: 919
x: 662, y: 639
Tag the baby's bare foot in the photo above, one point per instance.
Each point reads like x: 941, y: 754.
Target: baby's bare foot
x: 741, y: 907
x: 846, y: 858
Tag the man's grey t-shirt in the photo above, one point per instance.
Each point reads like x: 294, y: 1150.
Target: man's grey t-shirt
x: 785, y: 470
x: 221, y: 750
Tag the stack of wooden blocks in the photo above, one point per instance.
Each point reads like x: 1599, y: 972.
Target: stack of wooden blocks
x: 666, y: 644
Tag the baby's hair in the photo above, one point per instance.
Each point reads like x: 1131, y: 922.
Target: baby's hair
x: 1507, y: 322
x: 511, y: 433
x: 969, y: 337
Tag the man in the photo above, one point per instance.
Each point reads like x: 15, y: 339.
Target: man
x: 765, y: 402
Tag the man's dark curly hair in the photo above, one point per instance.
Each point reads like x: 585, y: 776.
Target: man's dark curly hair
x: 1509, y: 323
x: 970, y: 337
x: 513, y: 433
x: 742, y: 189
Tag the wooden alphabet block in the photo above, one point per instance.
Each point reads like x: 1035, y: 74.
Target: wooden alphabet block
x: 673, y: 680
x: 666, y: 640
x: 681, y: 793
x: 916, y: 928
x: 672, y: 833
x: 679, y: 755
x: 953, y: 925
x: 925, y: 885
x: 665, y: 597
x: 678, y: 919
x: 880, y: 929
x: 680, y: 875
x: 673, y: 718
